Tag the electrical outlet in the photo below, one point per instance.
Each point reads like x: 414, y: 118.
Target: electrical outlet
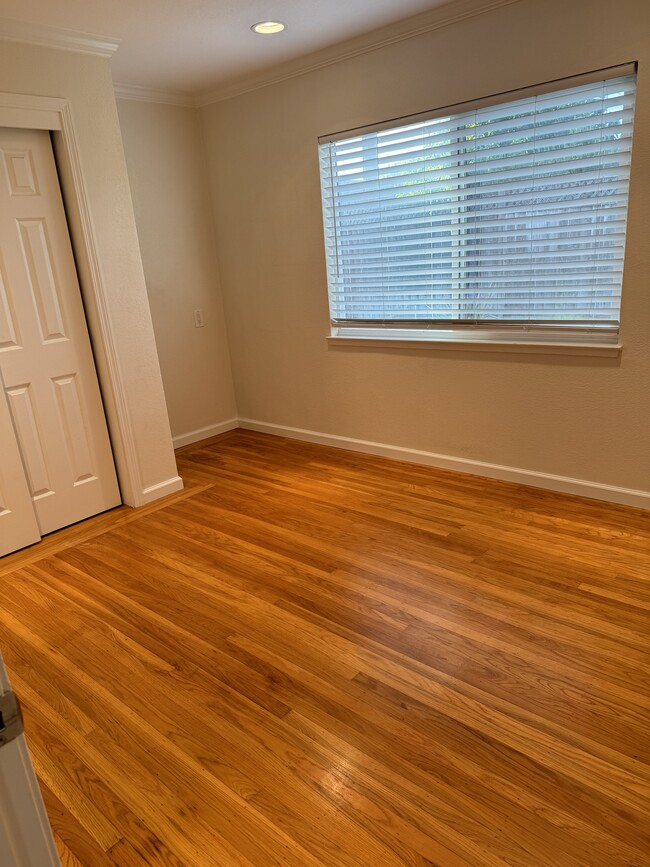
x: 198, y: 319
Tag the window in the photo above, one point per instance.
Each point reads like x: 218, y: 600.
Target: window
x: 502, y: 219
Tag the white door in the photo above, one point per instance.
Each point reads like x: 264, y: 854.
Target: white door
x: 25, y: 835
x: 18, y: 526
x: 45, y: 354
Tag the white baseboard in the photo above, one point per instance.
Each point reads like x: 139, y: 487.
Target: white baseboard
x: 564, y: 484
x: 204, y: 433
x: 162, y: 489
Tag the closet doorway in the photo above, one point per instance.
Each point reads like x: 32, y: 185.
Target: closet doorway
x: 56, y: 462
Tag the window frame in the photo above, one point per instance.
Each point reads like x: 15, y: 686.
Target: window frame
x: 481, y: 334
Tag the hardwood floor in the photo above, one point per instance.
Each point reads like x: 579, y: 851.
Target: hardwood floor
x: 313, y: 657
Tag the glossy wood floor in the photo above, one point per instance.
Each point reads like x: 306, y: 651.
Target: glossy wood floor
x: 311, y: 657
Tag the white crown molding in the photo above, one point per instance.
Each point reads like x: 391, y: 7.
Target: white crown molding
x: 57, y: 37
x: 152, y: 94
x: 425, y: 22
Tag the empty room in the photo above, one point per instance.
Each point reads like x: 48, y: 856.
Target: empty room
x: 325, y: 433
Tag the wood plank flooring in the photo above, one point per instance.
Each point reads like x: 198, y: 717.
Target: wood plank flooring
x: 312, y: 657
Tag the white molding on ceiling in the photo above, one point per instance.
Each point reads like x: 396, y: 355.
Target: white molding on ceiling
x: 153, y: 94
x: 57, y: 37
x: 425, y: 22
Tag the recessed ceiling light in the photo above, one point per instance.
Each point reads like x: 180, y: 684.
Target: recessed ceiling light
x: 268, y: 27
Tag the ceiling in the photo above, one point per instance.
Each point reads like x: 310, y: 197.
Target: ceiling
x: 193, y: 46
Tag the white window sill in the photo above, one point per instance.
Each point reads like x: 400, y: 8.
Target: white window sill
x: 534, y: 347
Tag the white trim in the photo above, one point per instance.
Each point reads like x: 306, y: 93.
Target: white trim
x: 425, y: 22
x: 161, y: 489
x: 564, y: 484
x: 22, y: 111
x: 204, y: 433
x: 530, y: 347
x: 25, y: 835
x: 152, y: 94
x: 57, y: 37
x: 131, y: 486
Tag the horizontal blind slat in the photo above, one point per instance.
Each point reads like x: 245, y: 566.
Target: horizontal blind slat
x: 521, y: 182
x: 509, y: 207
x: 425, y: 242
x: 458, y: 136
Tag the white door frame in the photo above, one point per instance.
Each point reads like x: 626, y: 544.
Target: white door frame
x: 25, y: 836
x: 49, y: 113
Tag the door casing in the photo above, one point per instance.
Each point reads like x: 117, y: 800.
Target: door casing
x: 25, y: 836
x: 50, y: 113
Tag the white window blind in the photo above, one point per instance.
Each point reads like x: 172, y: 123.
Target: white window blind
x: 507, y: 215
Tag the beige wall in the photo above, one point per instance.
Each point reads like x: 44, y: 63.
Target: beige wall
x: 166, y: 164
x: 87, y: 85
x: 585, y: 418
